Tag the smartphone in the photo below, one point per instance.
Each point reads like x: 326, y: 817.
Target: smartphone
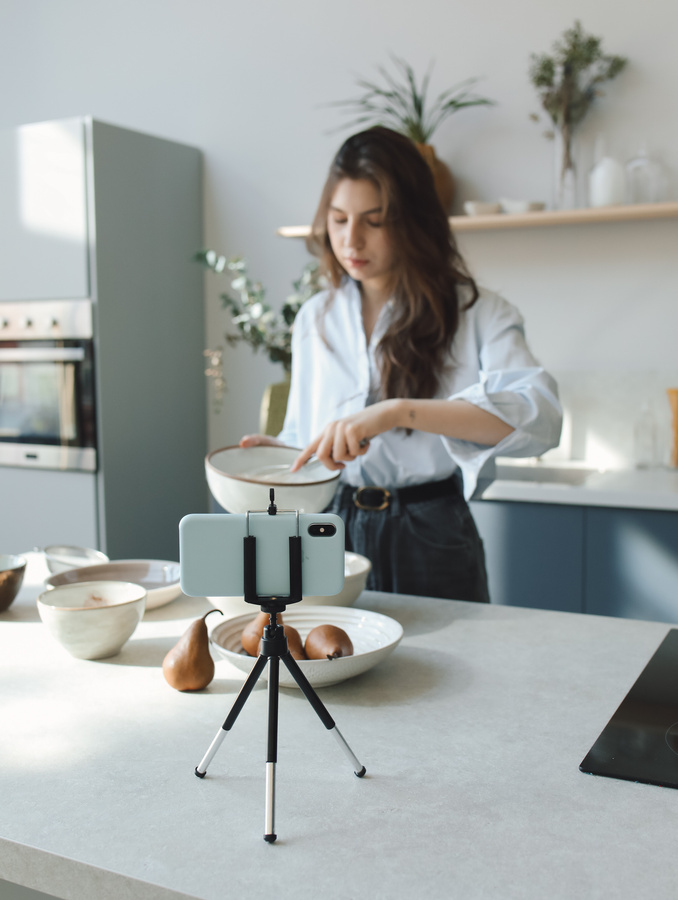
x: 211, y: 553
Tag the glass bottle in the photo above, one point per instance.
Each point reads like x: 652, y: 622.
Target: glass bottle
x: 645, y: 438
x: 645, y: 179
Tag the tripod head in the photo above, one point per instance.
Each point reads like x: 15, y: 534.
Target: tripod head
x: 269, y: 604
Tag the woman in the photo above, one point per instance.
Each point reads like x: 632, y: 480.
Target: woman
x: 405, y: 376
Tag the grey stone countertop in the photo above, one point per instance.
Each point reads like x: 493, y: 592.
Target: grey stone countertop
x: 472, y: 732
x: 580, y: 485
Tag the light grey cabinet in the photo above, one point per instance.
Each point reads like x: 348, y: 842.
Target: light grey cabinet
x: 615, y: 562
x: 43, y: 212
x: 108, y: 214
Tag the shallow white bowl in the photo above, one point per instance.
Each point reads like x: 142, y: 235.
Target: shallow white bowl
x: 94, y: 619
x: 480, y: 208
x: 373, y: 636
x: 60, y: 557
x: 240, y: 479
x: 158, y: 577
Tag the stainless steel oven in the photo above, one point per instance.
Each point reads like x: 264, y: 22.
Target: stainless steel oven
x: 47, y: 399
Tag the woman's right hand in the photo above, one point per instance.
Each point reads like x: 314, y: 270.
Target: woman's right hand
x: 260, y: 440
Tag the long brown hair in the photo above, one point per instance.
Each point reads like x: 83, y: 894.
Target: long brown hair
x: 429, y: 272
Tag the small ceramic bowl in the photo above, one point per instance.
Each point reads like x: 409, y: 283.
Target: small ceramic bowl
x: 240, y: 479
x: 479, y: 208
x: 60, y: 557
x: 93, y: 619
x: 356, y: 569
x: 12, y: 570
x: 518, y: 207
x: 159, y: 577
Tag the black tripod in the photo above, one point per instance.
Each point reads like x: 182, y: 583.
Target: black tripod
x: 273, y: 649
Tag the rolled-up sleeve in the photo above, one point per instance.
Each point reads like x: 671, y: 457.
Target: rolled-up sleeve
x: 511, y: 385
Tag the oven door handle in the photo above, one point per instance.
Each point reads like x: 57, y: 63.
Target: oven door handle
x: 41, y: 354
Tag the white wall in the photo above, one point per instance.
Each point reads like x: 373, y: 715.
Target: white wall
x: 247, y: 84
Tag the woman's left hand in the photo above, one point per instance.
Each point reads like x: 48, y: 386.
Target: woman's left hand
x: 345, y: 439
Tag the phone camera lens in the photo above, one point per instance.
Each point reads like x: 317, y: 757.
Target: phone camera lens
x: 322, y: 530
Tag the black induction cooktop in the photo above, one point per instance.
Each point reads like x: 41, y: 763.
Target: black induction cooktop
x: 640, y: 742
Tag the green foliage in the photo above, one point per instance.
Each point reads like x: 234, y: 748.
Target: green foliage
x: 257, y: 323
x: 401, y: 104
x: 569, y: 80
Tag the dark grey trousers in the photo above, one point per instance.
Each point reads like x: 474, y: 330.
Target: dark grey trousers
x: 429, y: 547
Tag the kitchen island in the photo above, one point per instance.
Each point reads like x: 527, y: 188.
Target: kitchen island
x: 472, y: 732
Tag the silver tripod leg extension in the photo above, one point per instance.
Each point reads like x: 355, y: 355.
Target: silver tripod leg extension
x: 322, y: 712
x: 245, y: 691
x: 201, y: 768
x: 358, y: 768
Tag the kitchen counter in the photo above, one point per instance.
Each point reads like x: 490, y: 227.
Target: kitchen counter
x: 472, y: 732
x: 576, y: 485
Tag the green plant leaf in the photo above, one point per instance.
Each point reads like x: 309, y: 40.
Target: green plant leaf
x: 403, y: 105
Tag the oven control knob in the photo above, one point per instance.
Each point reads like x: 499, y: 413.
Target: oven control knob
x: 53, y: 323
x: 27, y: 323
x: 4, y: 323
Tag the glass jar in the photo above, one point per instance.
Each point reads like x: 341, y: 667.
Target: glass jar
x: 645, y: 179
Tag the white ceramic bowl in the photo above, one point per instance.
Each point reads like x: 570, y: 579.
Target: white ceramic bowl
x: 92, y: 619
x: 60, y: 557
x: 373, y: 636
x: 480, y: 208
x: 240, y: 479
x: 356, y: 569
x: 12, y: 570
x: 158, y: 577
x: 518, y: 207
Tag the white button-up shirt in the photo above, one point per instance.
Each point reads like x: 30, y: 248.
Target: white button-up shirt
x: 334, y: 374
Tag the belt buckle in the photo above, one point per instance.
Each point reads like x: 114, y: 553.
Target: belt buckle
x: 385, y: 498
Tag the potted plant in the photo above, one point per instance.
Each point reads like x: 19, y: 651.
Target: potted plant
x: 568, y: 82
x: 402, y: 104
x: 261, y: 327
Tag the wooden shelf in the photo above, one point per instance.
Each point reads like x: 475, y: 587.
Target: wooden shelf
x: 630, y: 213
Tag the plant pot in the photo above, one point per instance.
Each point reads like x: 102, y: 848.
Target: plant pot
x: 442, y: 177
x: 273, y: 407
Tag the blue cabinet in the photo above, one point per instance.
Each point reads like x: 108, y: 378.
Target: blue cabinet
x: 534, y: 553
x: 631, y: 563
x: 614, y: 562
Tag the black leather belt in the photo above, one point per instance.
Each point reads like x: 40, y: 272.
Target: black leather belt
x: 377, y: 499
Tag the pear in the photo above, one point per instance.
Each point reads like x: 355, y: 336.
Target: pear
x: 189, y: 665
x: 294, y: 643
x: 328, y: 642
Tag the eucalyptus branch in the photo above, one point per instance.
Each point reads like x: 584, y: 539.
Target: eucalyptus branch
x: 256, y: 322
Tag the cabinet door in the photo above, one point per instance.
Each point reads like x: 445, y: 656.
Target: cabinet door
x: 533, y: 553
x: 43, y: 506
x: 43, y: 213
x: 632, y: 564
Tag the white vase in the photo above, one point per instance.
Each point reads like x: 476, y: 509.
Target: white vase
x: 607, y: 183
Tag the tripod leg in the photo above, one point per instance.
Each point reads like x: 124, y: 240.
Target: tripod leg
x: 272, y: 748
x: 322, y: 712
x: 240, y: 700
